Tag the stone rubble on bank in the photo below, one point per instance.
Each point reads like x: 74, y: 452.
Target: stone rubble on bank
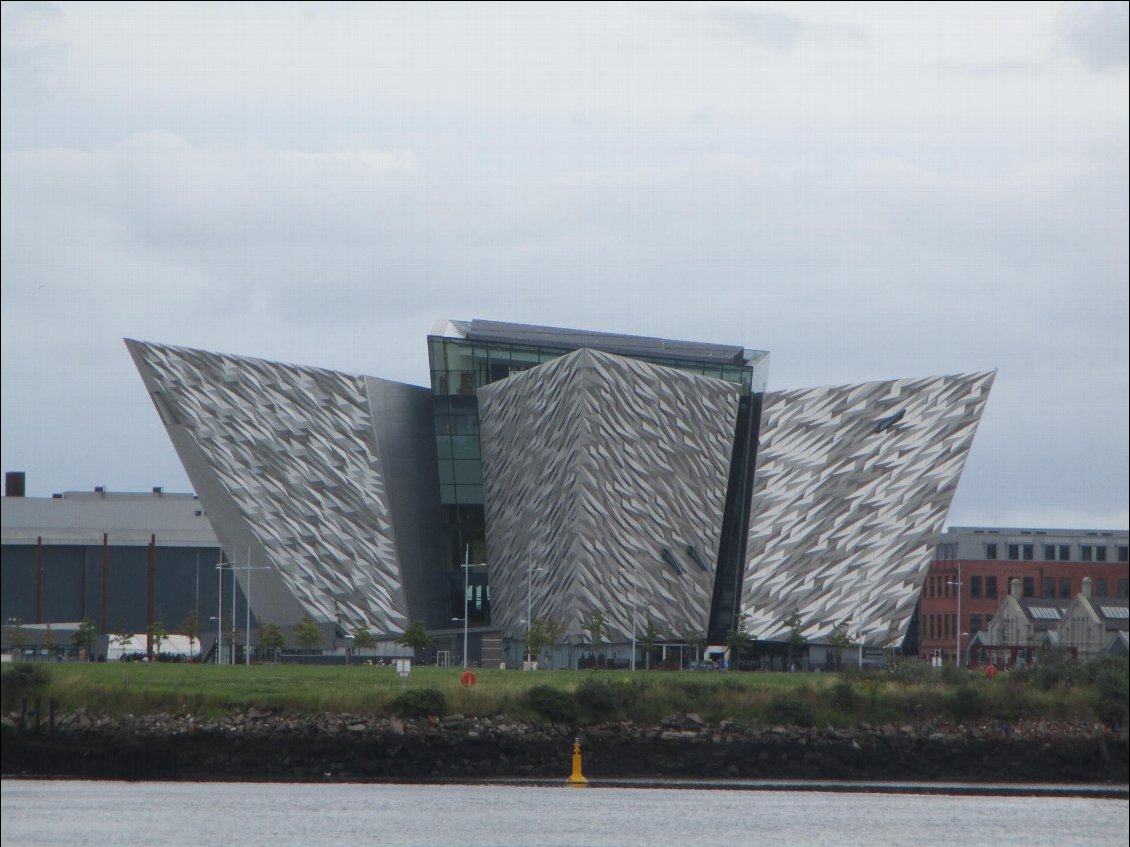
x: 265, y: 743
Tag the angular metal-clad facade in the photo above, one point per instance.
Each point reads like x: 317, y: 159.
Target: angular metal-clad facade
x: 852, y: 488
x: 323, y: 479
x: 612, y: 477
x: 609, y: 476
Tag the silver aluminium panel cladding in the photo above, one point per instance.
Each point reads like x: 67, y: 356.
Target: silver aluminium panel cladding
x: 593, y: 466
x: 852, y: 488
x: 294, y: 450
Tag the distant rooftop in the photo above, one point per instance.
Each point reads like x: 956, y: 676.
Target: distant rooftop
x: 498, y: 332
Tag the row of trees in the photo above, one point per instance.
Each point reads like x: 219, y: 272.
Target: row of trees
x: 541, y: 635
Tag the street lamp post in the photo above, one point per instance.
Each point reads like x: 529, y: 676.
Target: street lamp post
x: 859, y: 611
x: 466, y: 620
x: 530, y: 570
x: 220, y: 615
x: 957, y: 629
x: 635, y: 609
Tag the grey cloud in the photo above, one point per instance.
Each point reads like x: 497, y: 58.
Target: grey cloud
x: 1097, y: 33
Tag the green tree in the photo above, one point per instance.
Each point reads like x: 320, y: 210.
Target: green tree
x: 364, y: 638
x: 416, y: 637
x: 157, y: 636
x: 739, y: 640
x: 308, y: 634
x: 85, y: 638
x: 49, y: 642
x: 650, y: 637
x: 190, y: 627
x: 596, y: 627
x: 542, y: 634
x: 122, y: 635
x: 840, y: 642
x: 271, y: 638
x: 694, y: 639
x: 17, y: 638
x: 795, y: 626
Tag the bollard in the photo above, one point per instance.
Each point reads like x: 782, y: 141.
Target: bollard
x: 577, y: 778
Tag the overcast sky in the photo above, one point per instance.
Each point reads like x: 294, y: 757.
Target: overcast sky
x: 868, y: 191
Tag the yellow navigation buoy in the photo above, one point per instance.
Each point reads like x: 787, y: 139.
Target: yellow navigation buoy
x: 577, y: 777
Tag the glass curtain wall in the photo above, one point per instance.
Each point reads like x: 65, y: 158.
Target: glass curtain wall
x: 459, y: 367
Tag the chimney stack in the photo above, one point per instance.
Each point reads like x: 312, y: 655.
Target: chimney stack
x: 14, y: 482
x: 1015, y: 589
x: 1086, y: 589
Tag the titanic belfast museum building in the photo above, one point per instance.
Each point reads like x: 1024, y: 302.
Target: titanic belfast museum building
x: 552, y: 472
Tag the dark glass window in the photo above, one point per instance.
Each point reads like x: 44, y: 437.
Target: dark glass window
x: 1100, y: 554
x: 1049, y: 552
x: 974, y: 623
x: 974, y: 586
x: 464, y: 447
x: 1065, y: 586
x: 1101, y: 587
x: 1029, y: 586
x: 1123, y: 553
x: 1014, y: 552
x: 1065, y: 552
x: 1049, y: 586
x: 1029, y: 551
x: 1086, y: 553
x: 990, y: 551
x: 990, y: 587
x: 1123, y: 587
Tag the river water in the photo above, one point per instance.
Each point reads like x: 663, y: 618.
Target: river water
x: 171, y: 814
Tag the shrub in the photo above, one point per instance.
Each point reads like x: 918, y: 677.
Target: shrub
x: 552, y: 703
x: 23, y: 680
x: 907, y: 670
x: 1112, y: 690
x: 843, y: 696
x: 785, y: 710
x: 966, y: 702
x: 419, y: 703
x: 1056, y: 668
x: 596, y: 697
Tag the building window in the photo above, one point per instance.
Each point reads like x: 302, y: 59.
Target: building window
x: 1100, y: 554
x: 1101, y: 587
x: 990, y: 551
x: 1065, y: 552
x: 1049, y: 552
x: 974, y: 586
x: 1065, y: 586
x: 1014, y: 552
x: 1123, y: 587
x: 1086, y: 552
x: 1123, y: 553
x: 1029, y: 586
x: 1049, y: 586
x: 1029, y: 552
x: 974, y: 623
x: 991, y: 587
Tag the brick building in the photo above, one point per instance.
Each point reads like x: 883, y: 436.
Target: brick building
x: 973, y: 567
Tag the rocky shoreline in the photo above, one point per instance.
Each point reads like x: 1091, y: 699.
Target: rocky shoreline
x: 261, y: 744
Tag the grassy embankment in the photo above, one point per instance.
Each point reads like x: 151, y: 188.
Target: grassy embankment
x: 912, y: 693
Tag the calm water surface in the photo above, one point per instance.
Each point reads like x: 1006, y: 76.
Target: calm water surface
x: 124, y: 814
